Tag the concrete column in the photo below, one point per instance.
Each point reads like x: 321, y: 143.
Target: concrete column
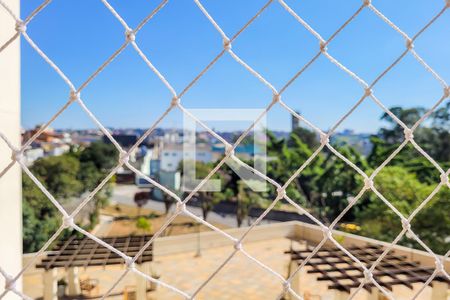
x: 439, y: 291
x: 141, y: 282
x: 10, y: 183
x: 51, y: 284
x: 73, y: 282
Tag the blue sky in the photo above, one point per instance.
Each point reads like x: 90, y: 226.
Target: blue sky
x: 78, y: 35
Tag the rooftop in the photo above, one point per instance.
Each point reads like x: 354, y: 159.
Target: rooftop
x: 187, y: 261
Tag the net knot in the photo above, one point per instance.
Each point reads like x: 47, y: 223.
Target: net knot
x: 368, y: 183
x: 276, y: 98
x: 444, y: 179
x: 175, y: 101
x: 324, y: 139
x: 323, y: 46
x: 281, y: 192
x: 409, y: 135
x: 409, y: 44
x: 129, y: 263
x: 439, y: 266
x: 227, y: 44
x: 181, y: 207
x: 20, y: 26
x: 367, y: 2
x: 130, y: 36
x: 406, y: 225
x: 238, y: 246
x: 286, y: 286
x: 10, y: 283
x: 327, y: 233
x: 17, y: 155
x: 368, y: 92
x: 447, y: 90
x: 124, y: 157
x: 68, y: 222
x: 74, y: 96
x: 368, y: 276
x: 229, y: 150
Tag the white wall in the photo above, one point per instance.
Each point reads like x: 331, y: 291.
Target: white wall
x: 170, y: 159
x: 10, y: 183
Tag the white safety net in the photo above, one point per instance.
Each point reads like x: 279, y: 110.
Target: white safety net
x: 367, y: 94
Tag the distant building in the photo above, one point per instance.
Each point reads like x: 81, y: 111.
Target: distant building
x: 124, y: 140
x: 172, y: 137
x: 86, y: 137
x: 245, y: 152
x: 360, y: 141
x: 150, y: 167
x: 58, y: 150
x: 171, y: 180
x: 31, y: 155
x: 47, y: 136
x: 347, y: 132
x: 295, y: 122
x: 172, y: 155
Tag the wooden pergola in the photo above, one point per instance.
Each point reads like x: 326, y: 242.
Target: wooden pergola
x: 331, y: 264
x: 76, y: 252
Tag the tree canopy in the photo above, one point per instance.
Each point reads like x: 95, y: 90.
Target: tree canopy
x: 66, y: 177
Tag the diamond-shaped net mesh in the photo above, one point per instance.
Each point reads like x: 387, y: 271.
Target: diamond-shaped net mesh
x: 131, y: 40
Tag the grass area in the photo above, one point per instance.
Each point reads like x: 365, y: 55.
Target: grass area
x: 125, y: 217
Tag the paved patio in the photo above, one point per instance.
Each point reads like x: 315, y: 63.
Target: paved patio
x: 176, y: 262
x: 239, y: 279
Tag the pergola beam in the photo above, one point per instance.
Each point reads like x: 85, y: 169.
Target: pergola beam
x: 84, y: 252
x: 393, y: 270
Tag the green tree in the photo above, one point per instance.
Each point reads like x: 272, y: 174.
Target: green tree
x: 65, y: 177
x: 274, y: 145
x: 409, y: 179
x: 103, y: 156
x: 325, y: 184
x: 248, y: 199
x: 409, y: 116
x: 337, y: 182
x: 207, y: 199
x: 408, y: 158
x: 405, y: 192
x: 441, y: 123
x: 96, y: 161
x: 143, y: 225
x: 59, y: 175
x: 286, y: 160
x: 89, y: 175
x: 41, y: 219
x: 432, y: 135
x: 310, y: 138
x: 432, y: 223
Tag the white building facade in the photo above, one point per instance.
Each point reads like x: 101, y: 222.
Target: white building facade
x: 173, y: 155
